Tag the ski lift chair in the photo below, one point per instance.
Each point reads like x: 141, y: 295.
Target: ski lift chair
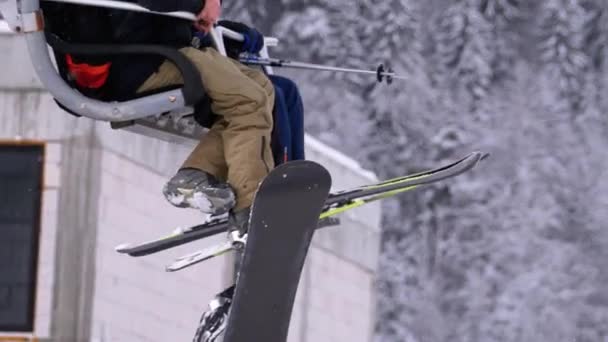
x: 172, y: 114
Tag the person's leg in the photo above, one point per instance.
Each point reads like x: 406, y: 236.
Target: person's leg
x: 244, y: 99
x: 295, y: 108
x: 208, y: 155
x: 281, y: 133
x: 281, y: 136
x: 263, y: 151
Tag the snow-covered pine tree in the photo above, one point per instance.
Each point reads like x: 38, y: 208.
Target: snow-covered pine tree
x: 327, y: 33
x: 465, y: 52
x: 563, y: 30
x: 504, y: 17
x: 254, y: 13
x: 513, y: 251
x: 401, y: 115
x: 596, y: 47
x: 391, y: 36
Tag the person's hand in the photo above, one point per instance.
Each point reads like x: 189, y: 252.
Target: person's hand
x: 208, y: 16
x: 253, y: 40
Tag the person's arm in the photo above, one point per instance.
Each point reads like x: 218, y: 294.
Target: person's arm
x: 209, y: 15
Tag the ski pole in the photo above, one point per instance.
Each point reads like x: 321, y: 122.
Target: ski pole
x: 382, y: 73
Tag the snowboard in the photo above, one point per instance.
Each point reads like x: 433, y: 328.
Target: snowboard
x: 284, y: 217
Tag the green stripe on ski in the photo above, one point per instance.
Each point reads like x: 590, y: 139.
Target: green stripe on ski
x: 390, y: 183
x: 409, y: 178
x: 399, y: 180
x: 417, y: 176
x: 361, y: 202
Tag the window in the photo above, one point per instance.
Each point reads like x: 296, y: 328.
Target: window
x: 21, y: 172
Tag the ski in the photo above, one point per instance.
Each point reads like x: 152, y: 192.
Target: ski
x: 284, y: 217
x: 178, y: 238
x: 221, y: 249
x: 447, y: 171
x: 336, y: 203
x: 200, y: 256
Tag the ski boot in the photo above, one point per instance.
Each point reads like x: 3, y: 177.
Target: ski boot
x: 238, y: 225
x: 192, y: 188
x: 213, y: 322
x: 238, y: 221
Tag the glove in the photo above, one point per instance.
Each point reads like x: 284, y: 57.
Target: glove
x: 253, y: 42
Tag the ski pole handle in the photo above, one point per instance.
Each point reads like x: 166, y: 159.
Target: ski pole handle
x: 228, y: 33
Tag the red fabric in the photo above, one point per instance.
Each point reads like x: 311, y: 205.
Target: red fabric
x: 88, y: 76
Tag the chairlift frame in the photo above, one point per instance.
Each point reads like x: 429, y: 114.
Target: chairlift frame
x: 166, y: 115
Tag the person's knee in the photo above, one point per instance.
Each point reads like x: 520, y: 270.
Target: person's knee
x: 259, y: 87
x: 265, y: 82
x: 255, y: 102
x: 260, y: 95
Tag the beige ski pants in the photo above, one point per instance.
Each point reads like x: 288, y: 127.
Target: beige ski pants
x: 237, y: 148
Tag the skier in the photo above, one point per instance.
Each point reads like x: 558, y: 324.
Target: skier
x: 222, y: 173
x: 237, y: 149
x: 193, y: 182
x: 288, y: 137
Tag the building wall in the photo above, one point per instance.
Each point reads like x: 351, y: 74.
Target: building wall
x: 102, y: 188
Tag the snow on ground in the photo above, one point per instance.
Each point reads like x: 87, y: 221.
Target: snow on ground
x: 4, y: 27
x: 341, y: 158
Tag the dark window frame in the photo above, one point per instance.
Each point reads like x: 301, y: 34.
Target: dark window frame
x: 36, y: 226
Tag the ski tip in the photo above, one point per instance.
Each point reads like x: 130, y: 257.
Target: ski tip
x: 173, y: 268
x: 124, y: 248
x: 478, y: 156
x: 189, y: 256
x: 178, y: 231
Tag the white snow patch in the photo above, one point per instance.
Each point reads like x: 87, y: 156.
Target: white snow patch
x: 176, y: 199
x: 4, y: 28
x: 200, y: 202
x: 122, y: 247
x: 340, y: 158
x: 179, y: 231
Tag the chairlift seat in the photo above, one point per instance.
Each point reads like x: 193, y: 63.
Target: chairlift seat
x: 175, y: 114
x: 179, y: 121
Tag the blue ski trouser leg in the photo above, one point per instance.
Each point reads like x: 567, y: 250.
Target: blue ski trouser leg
x: 281, y: 134
x: 292, y: 100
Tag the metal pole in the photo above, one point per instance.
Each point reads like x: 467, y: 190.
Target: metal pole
x: 120, y: 5
x: 381, y: 72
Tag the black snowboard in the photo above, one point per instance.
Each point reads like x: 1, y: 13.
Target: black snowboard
x: 284, y: 217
